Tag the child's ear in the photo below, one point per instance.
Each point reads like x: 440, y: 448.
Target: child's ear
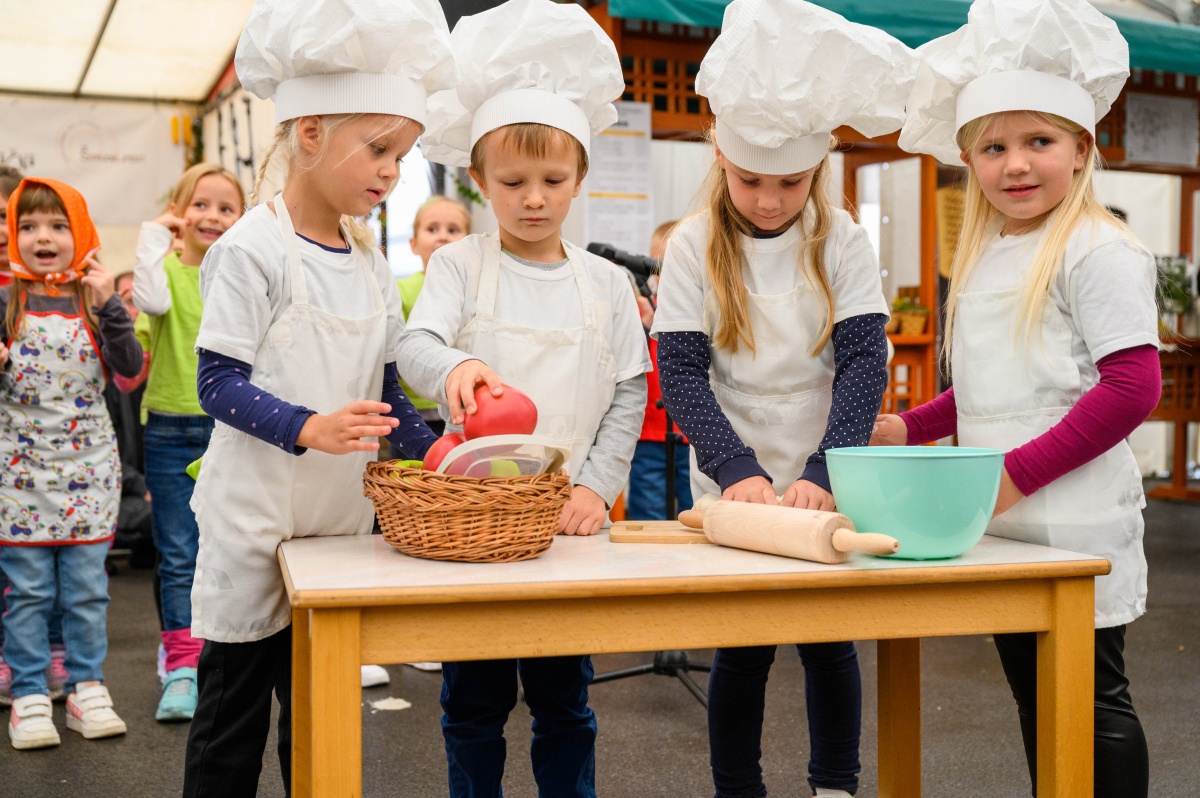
x: 308, y: 131
x: 1083, y: 149
x: 478, y: 178
x: 966, y: 159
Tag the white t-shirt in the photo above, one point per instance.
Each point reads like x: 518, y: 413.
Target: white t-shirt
x: 773, y: 266
x: 534, y: 297
x: 1105, y: 288
x: 246, y: 286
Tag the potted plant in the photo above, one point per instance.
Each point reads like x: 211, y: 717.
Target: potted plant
x: 909, y: 315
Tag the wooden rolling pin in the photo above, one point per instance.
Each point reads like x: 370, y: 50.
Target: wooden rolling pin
x: 788, y: 531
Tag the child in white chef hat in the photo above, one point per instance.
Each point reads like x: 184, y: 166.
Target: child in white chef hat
x: 297, y: 348
x: 536, y: 83
x: 770, y: 327
x: 1051, y: 329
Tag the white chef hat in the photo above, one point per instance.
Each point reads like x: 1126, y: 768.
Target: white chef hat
x: 1054, y: 56
x: 525, y: 61
x: 784, y: 74
x: 327, y: 57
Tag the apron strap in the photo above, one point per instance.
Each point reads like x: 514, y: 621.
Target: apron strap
x: 489, y: 279
x: 295, y: 268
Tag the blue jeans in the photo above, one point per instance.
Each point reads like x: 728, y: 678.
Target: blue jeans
x: 75, y: 574
x: 648, y: 481
x: 832, y: 697
x: 476, y: 700
x: 172, y: 443
x: 55, y: 616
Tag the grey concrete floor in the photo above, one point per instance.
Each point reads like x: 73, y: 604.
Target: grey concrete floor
x: 653, y: 739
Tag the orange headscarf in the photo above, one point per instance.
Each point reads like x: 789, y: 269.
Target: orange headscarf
x: 83, y: 231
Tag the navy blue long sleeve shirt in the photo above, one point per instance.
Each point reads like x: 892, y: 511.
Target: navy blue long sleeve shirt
x: 860, y: 376
x: 228, y: 395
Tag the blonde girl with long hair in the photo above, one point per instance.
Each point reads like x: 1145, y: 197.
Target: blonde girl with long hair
x: 770, y: 328
x: 1051, y: 328
x: 296, y: 350
x: 207, y: 200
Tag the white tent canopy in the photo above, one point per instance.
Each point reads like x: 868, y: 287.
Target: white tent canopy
x: 163, y: 50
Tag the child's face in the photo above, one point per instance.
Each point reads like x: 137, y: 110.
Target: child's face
x: 1024, y: 165
x: 363, y: 163
x: 44, y: 242
x: 124, y: 287
x: 441, y: 224
x: 530, y: 196
x: 213, y: 210
x: 4, y: 233
x: 767, y: 201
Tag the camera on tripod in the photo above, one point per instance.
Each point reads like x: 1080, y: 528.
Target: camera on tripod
x: 641, y: 267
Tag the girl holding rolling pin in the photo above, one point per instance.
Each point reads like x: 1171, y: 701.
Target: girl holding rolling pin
x: 770, y: 328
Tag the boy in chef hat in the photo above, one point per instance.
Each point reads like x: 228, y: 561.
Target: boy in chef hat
x: 297, y: 348
x: 536, y: 83
x: 770, y: 327
x: 1051, y: 328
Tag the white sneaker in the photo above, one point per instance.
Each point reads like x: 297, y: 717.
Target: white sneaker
x: 825, y: 792
x: 425, y: 666
x: 374, y: 676
x: 31, y: 724
x: 90, y: 712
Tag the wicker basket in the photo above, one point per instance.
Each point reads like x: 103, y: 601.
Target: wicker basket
x: 893, y: 323
x: 445, y: 517
x: 912, y: 323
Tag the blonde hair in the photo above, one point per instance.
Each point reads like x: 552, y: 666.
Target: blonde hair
x: 438, y: 199
x: 533, y: 139
x: 1079, y: 204
x: 181, y: 197
x: 726, y: 261
x: 34, y: 198
x: 285, y: 150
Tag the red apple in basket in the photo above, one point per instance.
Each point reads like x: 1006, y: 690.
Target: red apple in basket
x: 510, y: 413
x: 440, y: 448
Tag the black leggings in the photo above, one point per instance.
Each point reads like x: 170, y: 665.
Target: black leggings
x: 1122, y: 767
x: 228, y: 736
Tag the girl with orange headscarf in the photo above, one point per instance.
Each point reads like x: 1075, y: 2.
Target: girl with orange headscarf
x: 63, y: 329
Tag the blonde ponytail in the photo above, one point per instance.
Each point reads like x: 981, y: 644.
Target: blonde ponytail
x: 726, y: 263
x: 1079, y: 204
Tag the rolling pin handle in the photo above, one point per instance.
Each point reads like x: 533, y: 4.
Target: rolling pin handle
x: 692, y: 519
x: 868, y: 542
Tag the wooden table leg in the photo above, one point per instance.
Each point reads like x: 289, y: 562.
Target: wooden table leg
x: 900, y: 718
x: 336, y: 699
x: 301, y: 706
x: 1066, y: 692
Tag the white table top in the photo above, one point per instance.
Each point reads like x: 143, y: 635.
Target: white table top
x: 594, y: 565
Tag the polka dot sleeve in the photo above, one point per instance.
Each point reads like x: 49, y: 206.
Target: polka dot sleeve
x: 227, y: 395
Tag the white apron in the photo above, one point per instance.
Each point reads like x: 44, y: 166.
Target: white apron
x: 1009, y: 392
x: 252, y: 496
x: 62, y: 472
x: 777, y: 399
x: 571, y: 374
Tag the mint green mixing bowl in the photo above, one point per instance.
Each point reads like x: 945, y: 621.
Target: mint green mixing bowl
x: 935, y: 500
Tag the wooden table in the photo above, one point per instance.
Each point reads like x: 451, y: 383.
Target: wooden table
x: 355, y: 600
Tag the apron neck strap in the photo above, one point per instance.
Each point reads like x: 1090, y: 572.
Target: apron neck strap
x: 489, y: 279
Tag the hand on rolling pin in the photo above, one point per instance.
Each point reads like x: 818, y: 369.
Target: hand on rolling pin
x: 342, y: 431
x: 889, y: 430
x: 756, y: 490
x: 583, y: 514
x: 807, y: 496
x: 1009, y: 495
x: 461, y: 384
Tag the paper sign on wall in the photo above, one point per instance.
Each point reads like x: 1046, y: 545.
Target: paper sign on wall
x: 617, y: 191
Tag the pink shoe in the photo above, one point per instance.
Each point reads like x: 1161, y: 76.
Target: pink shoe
x: 56, y: 674
x: 5, y: 684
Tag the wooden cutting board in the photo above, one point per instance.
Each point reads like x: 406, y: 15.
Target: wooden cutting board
x: 654, y: 532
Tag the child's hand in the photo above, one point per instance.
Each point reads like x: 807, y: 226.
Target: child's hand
x: 756, y: 490
x: 583, y: 514
x: 460, y: 387
x: 807, y: 496
x: 1010, y: 494
x: 172, y: 222
x: 890, y: 430
x: 99, y: 281
x: 646, y: 311
x: 3, y: 355
x: 342, y: 431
